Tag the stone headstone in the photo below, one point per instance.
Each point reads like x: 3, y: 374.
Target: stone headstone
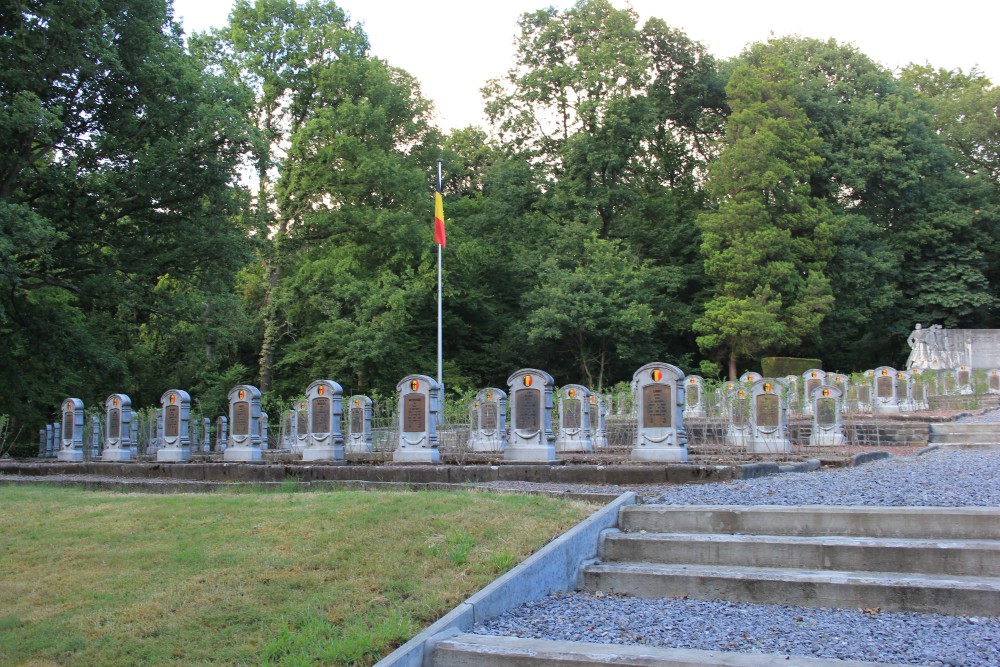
x: 488, y: 421
x: 795, y: 400
x: 288, y: 430
x: 768, y: 418
x: 694, y: 397
x: 359, y: 435
x: 574, y: 420
x: 244, y: 424
x: 811, y: 380
x: 749, y: 378
x: 326, y: 440
x: 920, y: 396
x: 221, y: 433
x: 993, y: 381
x: 864, y: 394
x: 530, y: 437
x: 886, y: 391
x: 175, y: 445
x: 660, y: 435
x: 417, y: 416
x: 599, y: 413
x: 301, y: 425
x: 41, y: 443
x: 94, y: 450
x: 57, y: 436
x: 71, y: 431
x: 206, y: 434
x: 265, y: 442
x: 50, y: 441
x: 904, y: 391
x: 964, y: 377
x: 827, y: 426
x: 117, y: 428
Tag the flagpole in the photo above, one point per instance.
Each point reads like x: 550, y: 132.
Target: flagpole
x: 440, y: 377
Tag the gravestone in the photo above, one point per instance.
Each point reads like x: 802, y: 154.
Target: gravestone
x: 359, y: 436
x: 768, y: 419
x: 886, y: 391
x: 840, y: 381
x: 488, y: 421
x: 530, y: 437
x: 288, y: 430
x: 920, y: 396
x: 117, y: 428
x: 175, y: 444
x: 156, y: 438
x: 904, y: 391
x: 417, y: 419
x: 659, y: 390
x: 574, y: 420
x: 244, y: 424
x: 811, y: 379
x: 864, y: 394
x: 95, y: 438
x: 206, y: 434
x: 749, y: 378
x: 795, y: 401
x: 326, y: 439
x: 599, y: 409
x: 301, y: 425
x: 50, y: 441
x: 964, y: 377
x: 265, y: 443
x: 221, y: 433
x: 71, y: 431
x: 723, y: 396
x: 827, y: 426
x: 993, y: 381
x: 738, y: 430
x: 41, y: 443
x: 694, y: 397
x: 57, y: 435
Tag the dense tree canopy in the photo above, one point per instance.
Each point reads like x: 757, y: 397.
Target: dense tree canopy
x: 254, y: 205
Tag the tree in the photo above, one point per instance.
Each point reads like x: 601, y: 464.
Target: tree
x: 116, y: 169
x: 767, y: 245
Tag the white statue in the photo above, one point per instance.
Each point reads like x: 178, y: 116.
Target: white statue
x: 918, y: 348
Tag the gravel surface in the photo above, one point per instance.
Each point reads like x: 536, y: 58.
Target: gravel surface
x: 990, y: 417
x: 846, y: 634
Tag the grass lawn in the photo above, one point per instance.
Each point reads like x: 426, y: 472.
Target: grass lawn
x: 282, y: 578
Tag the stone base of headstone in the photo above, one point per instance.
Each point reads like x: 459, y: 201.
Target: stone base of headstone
x: 359, y: 446
x: 886, y: 409
x: 907, y: 406
x: 416, y: 455
x: 242, y: 454
x: 669, y: 454
x: 333, y: 454
x: 965, y: 391
x: 576, y: 442
x: 485, y: 444
x: 760, y: 445
x: 694, y: 413
x: 70, y: 455
x: 117, y: 454
x: 600, y: 440
x: 529, y: 453
x: 826, y: 439
x: 173, y: 454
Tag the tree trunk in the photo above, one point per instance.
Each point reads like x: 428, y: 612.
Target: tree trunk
x: 270, y: 341
x: 732, y: 364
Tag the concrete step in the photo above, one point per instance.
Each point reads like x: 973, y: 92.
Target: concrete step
x: 975, y: 596
x: 467, y: 650
x: 931, y: 523
x: 949, y: 436
x: 952, y: 557
x: 965, y: 445
x: 961, y: 427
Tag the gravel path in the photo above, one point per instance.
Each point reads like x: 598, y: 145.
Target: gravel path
x: 942, y: 478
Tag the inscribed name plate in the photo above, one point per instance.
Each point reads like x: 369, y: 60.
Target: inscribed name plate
x: 414, y: 413
x: 489, y: 416
x: 172, y: 421
x: 528, y: 409
x: 67, y: 429
x: 302, y: 423
x: 321, y: 415
x: 995, y: 382
x: 826, y: 411
x: 864, y: 394
x: 656, y: 406
x: 811, y: 384
x: 357, y: 420
x: 571, y: 418
x: 693, y: 395
x: 739, y: 412
x: 241, y: 418
x: 963, y: 377
x: 883, y: 386
x: 767, y: 410
x: 115, y: 426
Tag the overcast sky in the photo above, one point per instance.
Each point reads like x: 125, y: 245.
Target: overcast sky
x: 478, y: 35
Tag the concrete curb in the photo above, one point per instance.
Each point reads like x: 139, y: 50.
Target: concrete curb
x: 868, y: 457
x: 805, y: 466
x: 553, y: 569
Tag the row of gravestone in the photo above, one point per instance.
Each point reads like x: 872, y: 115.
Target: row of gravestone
x: 660, y: 435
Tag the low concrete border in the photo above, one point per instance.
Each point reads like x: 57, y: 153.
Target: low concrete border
x: 553, y: 569
x: 868, y: 457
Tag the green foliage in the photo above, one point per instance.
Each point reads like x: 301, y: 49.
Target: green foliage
x: 779, y: 367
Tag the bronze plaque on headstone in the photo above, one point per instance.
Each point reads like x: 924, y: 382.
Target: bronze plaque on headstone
x: 302, y: 423
x: 693, y: 395
x: 995, y: 382
x: 963, y: 378
x: 571, y: 413
x: 883, y: 386
x: 241, y: 418
x: 114, y: 423
x: 414, y: 413
x: 489, y: 416
x: 67, y: 429
x: 864, y: 394
x: 811, y: 384
x: 767, y: 410
x: 527, y: 409
x: 321, y: 415
x: 919, y: 392
x: 739, y: 412
x: 826, y: 411
x: 357, y: 420
x: 172, y: 421
x: 656, y: 406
